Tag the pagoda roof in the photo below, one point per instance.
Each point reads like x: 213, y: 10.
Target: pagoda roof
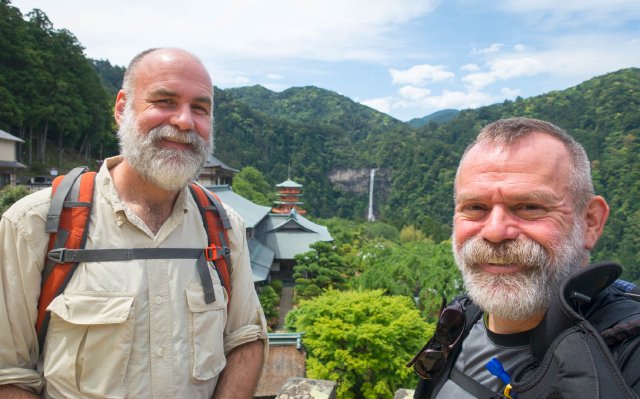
x: 289, y: 184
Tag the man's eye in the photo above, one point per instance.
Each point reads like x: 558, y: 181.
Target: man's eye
x: 473, y: 210
x: 165, y: 102
x: 528, y: 211
x: 200, y: 110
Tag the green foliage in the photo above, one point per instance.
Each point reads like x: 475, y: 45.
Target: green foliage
x: 379, y: 230
x: 9, y: 195
x: 414, y: 269
x: 320, y: 269
x: 362, y: 340
x: 270, y: 301
x: 51, y: 93
x: 410, y: 233
x: 49, y: 89
x: 251, y: 184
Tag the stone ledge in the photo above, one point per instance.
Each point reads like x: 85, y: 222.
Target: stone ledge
x: 303, y: 388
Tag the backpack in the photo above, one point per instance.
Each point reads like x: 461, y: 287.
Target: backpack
x: 68, y: 223
x: 566, y: 343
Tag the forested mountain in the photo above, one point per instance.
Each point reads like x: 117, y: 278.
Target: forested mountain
x: 50, y: 93
x: 442, y: 116
x: 601, y: 113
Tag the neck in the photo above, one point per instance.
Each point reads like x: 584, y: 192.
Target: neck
x: 506, y: 326
x: 149, y: 202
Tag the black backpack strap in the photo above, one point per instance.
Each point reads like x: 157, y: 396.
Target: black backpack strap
x: 472, y: 386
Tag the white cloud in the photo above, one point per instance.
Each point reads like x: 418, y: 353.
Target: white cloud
x: 504, y: 69
x: 510, y: 93
x: 519, y: 47
x: 274, y: 76
x: 494, y: 48
x: 414, y: 93
x: 447, y: 99
x: 380, y: 104
x: 420, y: 74
x: 587, y: 56
x: 575, y: 12
x: 470, y: 67
x: 249, y: 29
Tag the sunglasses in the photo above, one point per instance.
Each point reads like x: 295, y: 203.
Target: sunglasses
x: 431, y: 358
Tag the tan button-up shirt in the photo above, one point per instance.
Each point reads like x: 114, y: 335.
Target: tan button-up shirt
x: 138, y: 328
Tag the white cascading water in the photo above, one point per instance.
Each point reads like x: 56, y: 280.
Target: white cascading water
x: 370, y: 216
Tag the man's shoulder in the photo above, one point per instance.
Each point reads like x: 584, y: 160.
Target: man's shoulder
x: 33, y: 205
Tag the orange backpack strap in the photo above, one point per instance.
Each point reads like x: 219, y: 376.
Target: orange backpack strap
x: 216, y: 223
x: 67, y: 223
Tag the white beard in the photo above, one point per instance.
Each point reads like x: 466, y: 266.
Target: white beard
x: 169, y: 169
x: 521, y: 295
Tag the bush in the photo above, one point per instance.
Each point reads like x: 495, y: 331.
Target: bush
x: 9, y: 195
x: 361, y: 340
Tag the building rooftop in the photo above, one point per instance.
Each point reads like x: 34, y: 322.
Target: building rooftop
x: 261, y: 260
x: 251, y: 213
x: 6, y: 136
x: 213, y: 162
x: 289, y: 184
x: 14, y: 165
x: 291, y: 234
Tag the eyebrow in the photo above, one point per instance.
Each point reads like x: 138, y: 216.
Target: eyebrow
x: 524, y: 197
x: 162, y: 92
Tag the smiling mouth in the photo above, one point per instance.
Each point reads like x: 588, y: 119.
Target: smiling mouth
x: 177, y: 140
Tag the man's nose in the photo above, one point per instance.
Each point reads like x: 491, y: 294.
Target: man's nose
x: 182, y: 118
x: 499, y: 226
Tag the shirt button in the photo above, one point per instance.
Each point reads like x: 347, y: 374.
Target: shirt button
x: 158, y: 299
x: 160, y: 352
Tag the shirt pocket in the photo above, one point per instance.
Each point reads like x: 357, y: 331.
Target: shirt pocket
x: 88, y: 344
x: 207, y: 332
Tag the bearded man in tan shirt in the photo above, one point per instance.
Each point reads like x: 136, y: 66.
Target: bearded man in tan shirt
x: 137, y: 328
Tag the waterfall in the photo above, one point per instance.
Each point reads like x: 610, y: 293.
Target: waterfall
x: 372, y: 175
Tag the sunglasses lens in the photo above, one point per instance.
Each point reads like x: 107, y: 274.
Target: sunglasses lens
x: 429, y: 363
x: 450, y: 326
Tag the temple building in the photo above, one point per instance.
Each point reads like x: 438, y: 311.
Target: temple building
x: 275, y: 235
x: 216, y: 173
x: 289, y: 193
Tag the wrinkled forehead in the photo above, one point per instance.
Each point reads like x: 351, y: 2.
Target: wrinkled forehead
x: 173, y: 65
x: 537, y: 155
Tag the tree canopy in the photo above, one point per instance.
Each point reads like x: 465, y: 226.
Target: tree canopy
x: 362, y: 340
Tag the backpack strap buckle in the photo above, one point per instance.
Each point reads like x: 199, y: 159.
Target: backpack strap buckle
x: 56, y: 255
x: 212, y: 252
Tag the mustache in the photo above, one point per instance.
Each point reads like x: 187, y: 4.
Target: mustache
x: 522, y: 251
x: 168, y: 132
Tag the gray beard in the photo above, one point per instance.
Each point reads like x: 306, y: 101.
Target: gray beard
x: 521, y: 295
x: 166, y: 168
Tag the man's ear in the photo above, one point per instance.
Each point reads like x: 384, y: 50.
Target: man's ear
x: 121, y: 102
x: 596, y: 216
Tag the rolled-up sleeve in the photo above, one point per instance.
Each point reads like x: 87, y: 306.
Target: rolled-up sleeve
x: 246, y: 321
x: 24, y: 243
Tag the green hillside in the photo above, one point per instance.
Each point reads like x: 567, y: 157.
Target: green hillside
x: 52, y: 95
x: 442, y: 116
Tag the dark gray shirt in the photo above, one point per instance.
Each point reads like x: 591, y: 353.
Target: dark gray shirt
x: 477, y: 349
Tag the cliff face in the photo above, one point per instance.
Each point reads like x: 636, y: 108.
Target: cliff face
x: 351, y: 180
x: 357, y: 181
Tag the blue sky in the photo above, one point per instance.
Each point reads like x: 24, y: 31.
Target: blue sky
x: 407, y: 58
